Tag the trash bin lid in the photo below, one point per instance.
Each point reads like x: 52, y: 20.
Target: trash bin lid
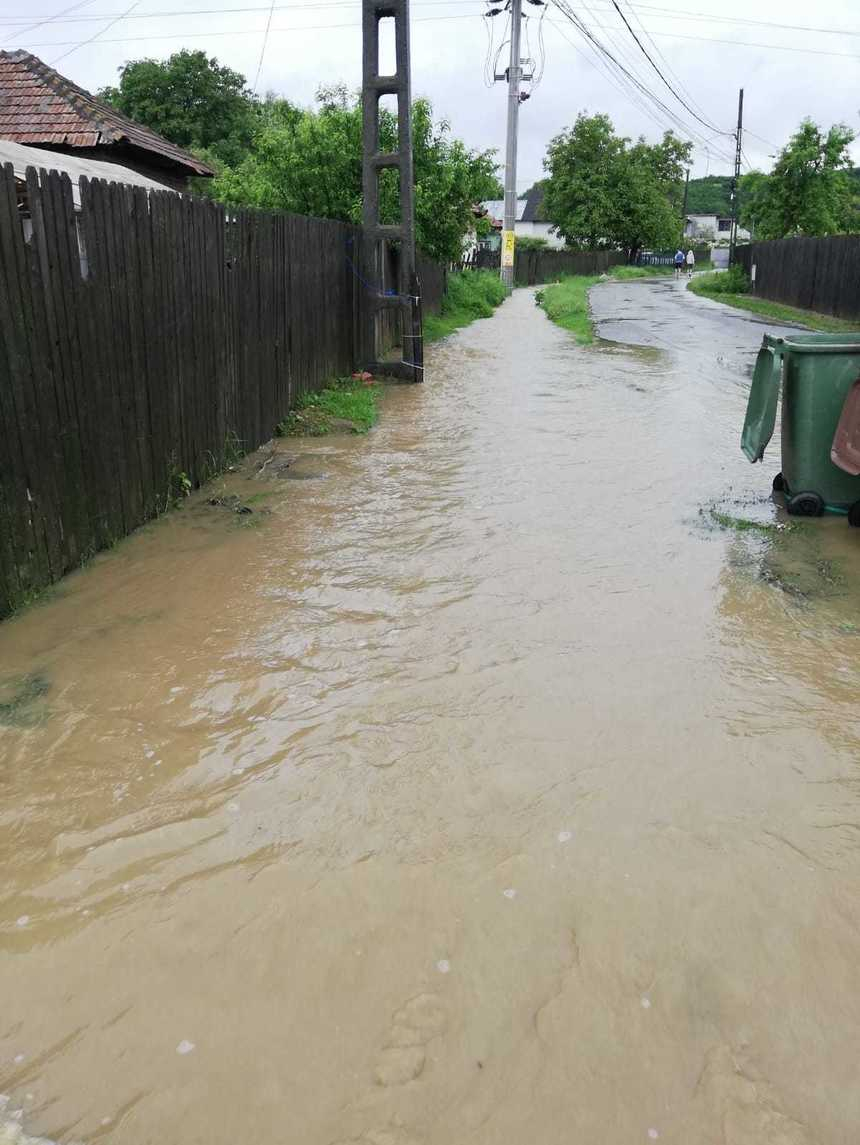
x: 762, y: 403
x: 816, y: 343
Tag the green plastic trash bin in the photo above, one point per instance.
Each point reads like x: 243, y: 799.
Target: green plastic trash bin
x: 816, y: 372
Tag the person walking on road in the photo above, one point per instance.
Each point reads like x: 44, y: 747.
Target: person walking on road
x: 679, y: 262
x: 691, y: 263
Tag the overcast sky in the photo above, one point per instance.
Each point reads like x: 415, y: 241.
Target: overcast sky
x: 706, y: 49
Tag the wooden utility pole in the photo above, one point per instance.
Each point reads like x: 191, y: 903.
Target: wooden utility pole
x: 733, y: 234
x: 407, y: 299
x: 684, y: 207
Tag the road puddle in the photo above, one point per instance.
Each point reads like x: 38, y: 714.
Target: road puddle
x: 486, y: 782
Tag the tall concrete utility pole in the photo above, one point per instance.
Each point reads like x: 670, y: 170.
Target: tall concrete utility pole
x: 407, y: 299
x: 514, y: 77
x: 733, y: 234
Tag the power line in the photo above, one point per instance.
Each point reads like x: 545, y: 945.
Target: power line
x: 96, y: 35
x: 757, y: 44
x: 721, y: 19
x: 635, y: 99
x: 666, y: 62
x: 208, y: 35
x: 762, y: 139
x: 647, y: 56
x: 263, y: 48
x: 327, y: 4
x: 583, y: 28
x: 50, y: 20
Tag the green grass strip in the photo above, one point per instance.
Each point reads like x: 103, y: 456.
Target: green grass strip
x: 566, y: 304
x: 344, y: 400
x: 566, y: 301
x: 775, y: 310
x: 471, y: 294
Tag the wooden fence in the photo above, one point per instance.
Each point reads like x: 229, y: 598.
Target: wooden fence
x: 820, y: 274
x: 532, y: 267
x: 145, y: 340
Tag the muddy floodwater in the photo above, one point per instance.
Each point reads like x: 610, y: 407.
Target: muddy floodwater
x: 488, y: 784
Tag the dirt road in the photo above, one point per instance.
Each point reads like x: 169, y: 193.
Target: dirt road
x: 481, y: 787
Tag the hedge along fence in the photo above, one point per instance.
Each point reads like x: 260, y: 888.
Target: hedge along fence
x: 145, y: 341
x: 820, y: 274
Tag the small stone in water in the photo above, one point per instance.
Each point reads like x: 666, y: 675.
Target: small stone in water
x: 185, y: 1047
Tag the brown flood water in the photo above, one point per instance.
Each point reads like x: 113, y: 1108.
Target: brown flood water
x: 480, y: 791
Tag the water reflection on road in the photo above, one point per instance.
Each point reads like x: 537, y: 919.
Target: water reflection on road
x: 478, y: 787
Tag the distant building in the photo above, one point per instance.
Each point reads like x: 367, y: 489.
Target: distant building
x: 41, y: 108
x: 712, y: 228
x: 529, y: 222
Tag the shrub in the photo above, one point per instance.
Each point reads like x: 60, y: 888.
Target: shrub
x: 735, y: 280
x: 477, y: 292
x: 531, y: 242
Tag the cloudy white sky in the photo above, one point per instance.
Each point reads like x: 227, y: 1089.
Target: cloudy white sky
x: 793, y: 59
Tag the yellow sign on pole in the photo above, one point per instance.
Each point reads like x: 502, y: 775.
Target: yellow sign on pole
x: 508, y: 242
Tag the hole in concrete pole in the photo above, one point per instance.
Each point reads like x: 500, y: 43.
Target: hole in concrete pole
x: 389, y: 196
x: 389, y: 134
x: 387, y: 48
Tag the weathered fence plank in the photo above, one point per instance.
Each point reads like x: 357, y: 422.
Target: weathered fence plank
x: 820, y: 274
x: 533, y: 267
x: 143, y: 338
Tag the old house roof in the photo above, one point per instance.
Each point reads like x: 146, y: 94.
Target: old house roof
x: 76, y: 167
x: 532, y: 211
x: 39, y: 106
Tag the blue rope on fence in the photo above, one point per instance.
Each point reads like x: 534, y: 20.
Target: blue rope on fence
x: 368, y: 285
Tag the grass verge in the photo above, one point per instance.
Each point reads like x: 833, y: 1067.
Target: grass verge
x: 625, y: 272
x: 704, y: 286
x: 566, y: 304
x: 471, y: 294
x: 566, y: 301
x: 345, y: 404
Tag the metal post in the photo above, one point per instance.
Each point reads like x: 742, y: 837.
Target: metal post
x: 733, y: 233
x: 515, y: 73
x: 374, y: 86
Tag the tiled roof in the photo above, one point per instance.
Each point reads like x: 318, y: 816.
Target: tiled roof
x: 39, y: 106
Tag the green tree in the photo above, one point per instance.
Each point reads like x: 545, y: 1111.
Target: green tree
x: 710, y: 195
x: 753, y: 193
x: 601, y: 191
x: 191, y: 100
x: 310, y: 162
x: 809, y: 191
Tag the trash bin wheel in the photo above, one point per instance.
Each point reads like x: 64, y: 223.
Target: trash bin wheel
x: 779, y: 483
x: 805, y: 505
x: 854, y: 515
